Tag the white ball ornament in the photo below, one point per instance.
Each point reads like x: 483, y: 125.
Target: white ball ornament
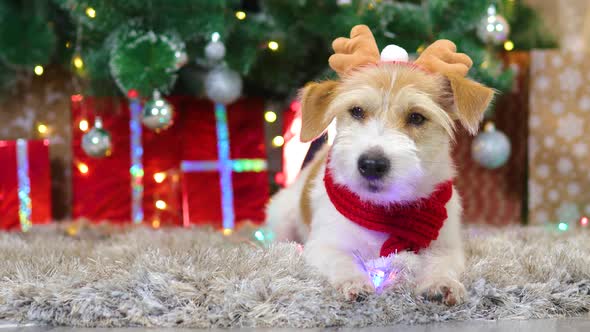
x: 223, y: 85
x: 215, y: 50
x: 493, y: 28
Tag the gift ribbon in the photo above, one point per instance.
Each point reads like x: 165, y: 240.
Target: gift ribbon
x: 136, y: 169
x: 225, y: 166
x: 24, y: 184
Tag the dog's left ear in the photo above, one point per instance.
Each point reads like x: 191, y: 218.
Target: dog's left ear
x: 315, y: 99
x: 465, y: 99
x: 469, y: 101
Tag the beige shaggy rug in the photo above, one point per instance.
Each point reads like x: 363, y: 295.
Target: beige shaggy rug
x: 196, y: 278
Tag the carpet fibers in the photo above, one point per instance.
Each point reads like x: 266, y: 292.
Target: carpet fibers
x: 196, y: 278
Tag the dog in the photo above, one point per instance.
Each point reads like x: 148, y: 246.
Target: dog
x: 390, y: 163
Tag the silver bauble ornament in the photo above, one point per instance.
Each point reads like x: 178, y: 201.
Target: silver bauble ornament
x: 491, y: 148
x: 97, y: 142
x: 223, y: 85
x: 493, y: 28
x: 157, y: 113
x: 215, y: 50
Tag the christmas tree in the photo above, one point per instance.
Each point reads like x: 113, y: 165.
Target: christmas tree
x: 275, y: 46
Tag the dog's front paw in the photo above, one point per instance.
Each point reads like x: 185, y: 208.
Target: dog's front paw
x: 445, y: 290
x: 355, y: 289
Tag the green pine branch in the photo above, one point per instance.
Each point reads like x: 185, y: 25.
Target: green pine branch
x: 36, y: 32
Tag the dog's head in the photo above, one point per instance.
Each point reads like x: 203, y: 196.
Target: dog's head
x: 395, y: 123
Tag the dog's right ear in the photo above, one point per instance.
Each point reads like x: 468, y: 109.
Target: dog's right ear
x: 315, y: 100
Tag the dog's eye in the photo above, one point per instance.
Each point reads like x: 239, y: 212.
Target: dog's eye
x: 357, y: 113
x: 416, y: 119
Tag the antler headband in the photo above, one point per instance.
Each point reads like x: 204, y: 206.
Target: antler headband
x: 361, y: 49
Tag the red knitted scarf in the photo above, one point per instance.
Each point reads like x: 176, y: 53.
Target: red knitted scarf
x: 410, y: 226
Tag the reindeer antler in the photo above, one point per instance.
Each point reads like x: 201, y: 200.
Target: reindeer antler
x: 442, y: 57
x: 360, y: 49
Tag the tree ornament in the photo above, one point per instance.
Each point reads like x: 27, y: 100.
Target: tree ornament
x: 223, y: 85
x: 493, y: 28
x: 157, y: 113
x: 491, y: 148
x: 215, y: 50
x: 144, y: 60
x: 97, y: 142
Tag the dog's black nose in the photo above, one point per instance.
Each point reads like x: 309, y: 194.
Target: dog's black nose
x: 373, y: 166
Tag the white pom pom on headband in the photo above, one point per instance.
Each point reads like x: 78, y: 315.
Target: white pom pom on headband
x: 394, y: 53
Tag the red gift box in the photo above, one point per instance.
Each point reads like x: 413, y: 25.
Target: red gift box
x: 112, y: 186
x: 103, y: 187
x: 224, y: 176
x: 25, y: 184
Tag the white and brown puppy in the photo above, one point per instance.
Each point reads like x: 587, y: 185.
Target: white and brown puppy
x: 395, y: 126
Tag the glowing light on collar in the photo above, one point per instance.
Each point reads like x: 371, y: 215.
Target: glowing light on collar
x: 382, y: 271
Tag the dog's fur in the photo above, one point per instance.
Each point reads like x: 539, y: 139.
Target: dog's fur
x: 420, y: 159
